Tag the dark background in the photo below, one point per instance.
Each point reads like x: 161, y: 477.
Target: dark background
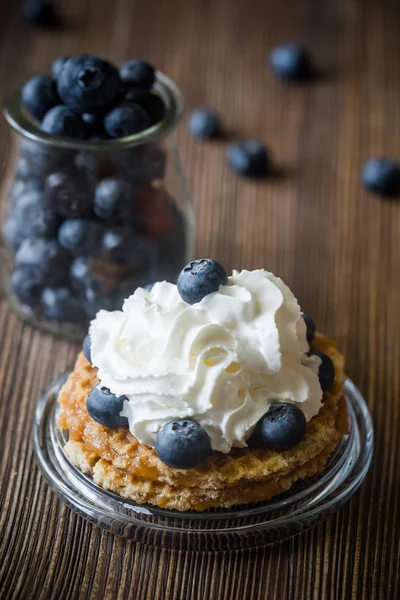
x: 334, y: 244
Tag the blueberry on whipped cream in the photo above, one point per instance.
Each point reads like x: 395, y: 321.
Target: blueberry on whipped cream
x: 212, y: 368
x: 199, y: 278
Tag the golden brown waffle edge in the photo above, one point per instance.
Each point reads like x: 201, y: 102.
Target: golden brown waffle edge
x: 118, y: 462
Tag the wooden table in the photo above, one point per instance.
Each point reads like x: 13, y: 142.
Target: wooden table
x: 335, y: 245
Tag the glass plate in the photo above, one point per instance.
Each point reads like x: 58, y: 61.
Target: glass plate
x: 307, y: 503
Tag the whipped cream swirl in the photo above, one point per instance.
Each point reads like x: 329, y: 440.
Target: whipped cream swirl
x: 221, y: 362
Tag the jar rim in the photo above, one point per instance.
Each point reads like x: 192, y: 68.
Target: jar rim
x: 167, y: 89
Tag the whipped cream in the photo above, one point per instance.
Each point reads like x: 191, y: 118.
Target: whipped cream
x: 221, y: 362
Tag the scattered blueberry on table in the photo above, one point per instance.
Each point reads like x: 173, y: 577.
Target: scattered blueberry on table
x: 203, y: 123
x: 382, y: 176
x: 182, y: 444
x: 290, y: 62
x: 249, y: 158
x: 40, y: 13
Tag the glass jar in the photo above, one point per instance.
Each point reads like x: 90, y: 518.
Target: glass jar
x: 87, y: 222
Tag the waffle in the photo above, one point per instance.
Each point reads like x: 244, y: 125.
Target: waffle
x: 118, y: 462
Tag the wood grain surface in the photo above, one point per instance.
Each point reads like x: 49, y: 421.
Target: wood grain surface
x: 334, y: 244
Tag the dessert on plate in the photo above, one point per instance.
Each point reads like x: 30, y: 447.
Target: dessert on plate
x: 213, y: 392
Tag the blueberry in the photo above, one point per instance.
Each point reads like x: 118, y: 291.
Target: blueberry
x: 182, y: 444
x: 105, y: 407
x: 87, y: 163
x: 110, y: 196
x: 35, y: 218
x: 94, y: 124
x: 382, y: 176
x: 153, y: 106
x: 88, y: 84
x: 91, y: 120
x: 99, y: 136
x: 22, y: 170
x: 80, y: 273
x: 46, y: 257
x: 126, y: 120
x: 43, y: 159
x: 290, y: 62
x: 28, y: 197
x: 69, y: 193
x: 126, y: 247
x: 26, y: 285
x: 41, y: 13
x: 18, y: 189
x: 326, y: 371
x: 13, y: 235
x: 138, y: 73
x: 311, y: 327
x: 63, y: 122
x: 143, y: 164
x: 204, y: 124
x: 86, y: 347
x: 81, y: 237
x: 283, y: 426
x: 200, y: 278
x: 59, y: 304
x: 96, y: 300
x: 57, y: 66
x: 248, y: 157
x: 44, y: 222
x: 39, y: 95
x: 131, y: 94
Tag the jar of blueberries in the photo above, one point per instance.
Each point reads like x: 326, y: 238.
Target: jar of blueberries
x: 97, y: 204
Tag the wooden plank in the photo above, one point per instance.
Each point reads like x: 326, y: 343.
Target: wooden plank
x: 335, y: 245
